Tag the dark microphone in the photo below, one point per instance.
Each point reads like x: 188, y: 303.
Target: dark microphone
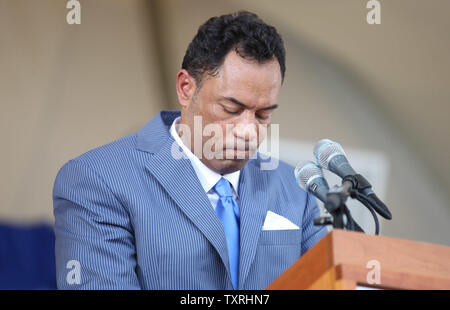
x: 310, y: 178
x: 330, y: 155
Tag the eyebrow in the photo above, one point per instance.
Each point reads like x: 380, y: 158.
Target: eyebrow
x: 235, y: 101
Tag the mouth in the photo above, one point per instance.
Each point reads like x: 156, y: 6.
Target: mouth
x: 235, y: 153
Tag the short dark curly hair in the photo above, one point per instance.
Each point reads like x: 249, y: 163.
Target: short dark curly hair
x: 244, y: 31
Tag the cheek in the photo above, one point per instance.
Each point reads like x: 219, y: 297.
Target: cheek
x: 262, y: 132
x: 210, y: 112
x: 216, y: 114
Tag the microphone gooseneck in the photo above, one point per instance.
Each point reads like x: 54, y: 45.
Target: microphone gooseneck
x: 309, y: 177
x: 331, y: 156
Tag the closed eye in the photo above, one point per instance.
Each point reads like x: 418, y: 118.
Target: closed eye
x: 263, y: 117
x: 229, y: 111
x: 263, y: 114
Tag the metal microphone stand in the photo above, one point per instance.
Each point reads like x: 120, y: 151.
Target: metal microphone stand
x: 335, y: 205
x: 340, y: 214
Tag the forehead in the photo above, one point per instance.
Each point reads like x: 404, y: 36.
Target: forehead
x: 248, y: 78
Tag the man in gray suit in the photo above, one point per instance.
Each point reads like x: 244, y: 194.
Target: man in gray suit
x: 186, y: 202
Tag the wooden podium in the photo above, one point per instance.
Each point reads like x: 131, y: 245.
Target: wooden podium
x: 351, y: 260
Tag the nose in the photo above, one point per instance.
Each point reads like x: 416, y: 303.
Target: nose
x: 246, y: 128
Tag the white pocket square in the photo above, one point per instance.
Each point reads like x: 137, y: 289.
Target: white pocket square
x: 275, y: 221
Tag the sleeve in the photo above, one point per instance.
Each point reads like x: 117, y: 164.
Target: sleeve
x: 311, y: 233
x: 94, y: 244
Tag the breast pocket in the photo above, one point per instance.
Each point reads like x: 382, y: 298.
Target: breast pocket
x: 277, y: 250
x: 281, y: 237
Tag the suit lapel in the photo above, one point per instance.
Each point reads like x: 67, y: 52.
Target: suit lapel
x: 178, y: 178
x: 253, y: 204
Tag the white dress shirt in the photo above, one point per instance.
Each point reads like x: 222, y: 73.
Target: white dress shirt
x: 206, y: 176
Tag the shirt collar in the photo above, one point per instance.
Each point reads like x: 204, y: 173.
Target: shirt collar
x: 207, y: 177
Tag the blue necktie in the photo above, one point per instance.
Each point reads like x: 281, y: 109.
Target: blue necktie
x: 228, y: 212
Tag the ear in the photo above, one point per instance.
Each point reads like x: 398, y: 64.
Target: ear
x: 186, y: 88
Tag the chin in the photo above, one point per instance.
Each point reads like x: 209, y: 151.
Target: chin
x: 227, y: 166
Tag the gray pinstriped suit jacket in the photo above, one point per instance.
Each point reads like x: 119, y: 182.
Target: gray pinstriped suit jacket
x: 134, y: 217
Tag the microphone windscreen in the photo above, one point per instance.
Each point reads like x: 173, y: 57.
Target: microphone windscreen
x: 325, y: 149
x: 305, y: 171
